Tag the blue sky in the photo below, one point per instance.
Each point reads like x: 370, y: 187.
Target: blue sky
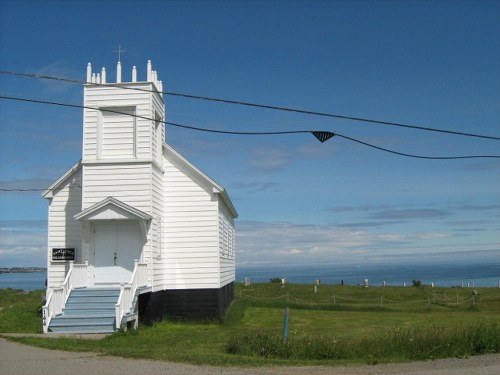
x: 434, y: 64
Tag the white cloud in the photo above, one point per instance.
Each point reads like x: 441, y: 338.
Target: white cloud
x: 22, y: 248
x: 288, y: 243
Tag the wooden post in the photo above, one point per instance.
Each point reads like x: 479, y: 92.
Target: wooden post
x: 285, y: 324
x: 334, y: 300
x: 382, y: 301
x: 429, y: 302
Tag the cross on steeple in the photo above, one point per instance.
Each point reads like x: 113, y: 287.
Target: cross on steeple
x: 120, y: 51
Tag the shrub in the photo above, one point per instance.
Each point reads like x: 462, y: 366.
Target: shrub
x: 417, y: 283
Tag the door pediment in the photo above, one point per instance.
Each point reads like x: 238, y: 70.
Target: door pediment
x: 110, y: 212
x: 113, y: 209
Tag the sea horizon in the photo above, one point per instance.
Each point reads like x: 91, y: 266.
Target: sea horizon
x: 478, y: 274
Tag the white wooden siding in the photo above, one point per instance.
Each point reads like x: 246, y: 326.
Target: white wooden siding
x: 158, y: 276
x: 129, y: 183
x: 227, y: 246
x: 146, y: 105
x: 64, y: 231
x: 117, y: 133
x: 190, y: 240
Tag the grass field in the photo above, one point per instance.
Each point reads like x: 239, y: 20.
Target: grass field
x: 336, y: 325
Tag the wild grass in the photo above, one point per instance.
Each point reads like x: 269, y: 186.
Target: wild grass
x: 21, y: 311
x: 358, y: 328
x: 418, y: 343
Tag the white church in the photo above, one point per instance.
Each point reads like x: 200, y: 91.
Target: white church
x: 136, y: 233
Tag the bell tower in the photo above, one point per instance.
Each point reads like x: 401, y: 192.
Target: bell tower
x: 122, y: 120
x: 123, y: 135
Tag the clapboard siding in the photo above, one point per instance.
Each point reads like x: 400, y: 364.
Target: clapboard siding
x: 129, y: 184
x: 158, y: 276
x: 129, y: 135
x: 190, y: 237
x: 64, y: 231
x: 227, y: 271
x: 227, y: 246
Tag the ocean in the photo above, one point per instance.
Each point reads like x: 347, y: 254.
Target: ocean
x: 27, y: 281
x: 445, y: 275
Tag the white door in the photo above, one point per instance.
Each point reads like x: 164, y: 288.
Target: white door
x: 116, y: 244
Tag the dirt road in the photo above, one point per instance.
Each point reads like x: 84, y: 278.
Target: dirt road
x: 18, y: 359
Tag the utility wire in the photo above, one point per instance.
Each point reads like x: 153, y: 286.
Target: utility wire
x: 24, y: 190
x: 257, y: 105
x: 322, y: 136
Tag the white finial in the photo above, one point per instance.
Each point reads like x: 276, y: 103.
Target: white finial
x: 118, y: 72
x: 134, y: 74
x: 160, y: 86
x: 155, y: 76
x: 103, y: 75
x: 98, y: 79
x: 93, y: 77
x: 89, y: 72
x: 149, y: 72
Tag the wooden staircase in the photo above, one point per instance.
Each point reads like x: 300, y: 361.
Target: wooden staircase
x: 87, y: 310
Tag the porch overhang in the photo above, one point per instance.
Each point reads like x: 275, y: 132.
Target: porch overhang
x: 114, y: 209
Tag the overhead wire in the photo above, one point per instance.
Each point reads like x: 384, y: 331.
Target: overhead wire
x: 258, y: 105
x: 322, y: 136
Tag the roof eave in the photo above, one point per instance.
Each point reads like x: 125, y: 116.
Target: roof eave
x: 49, y: 192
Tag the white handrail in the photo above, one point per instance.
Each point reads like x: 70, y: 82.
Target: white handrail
x: 125, y: 302
x: 76, y: 277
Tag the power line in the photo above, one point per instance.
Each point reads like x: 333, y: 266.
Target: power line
x: 322, y: 136
x: 24, y: 190
x: 257, y: 105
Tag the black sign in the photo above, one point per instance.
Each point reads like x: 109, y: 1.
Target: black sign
x: 63, y: 254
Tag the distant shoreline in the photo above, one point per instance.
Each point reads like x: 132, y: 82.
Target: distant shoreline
x: 23, y: 270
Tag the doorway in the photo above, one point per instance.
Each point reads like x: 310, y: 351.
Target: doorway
x: 117, y: 243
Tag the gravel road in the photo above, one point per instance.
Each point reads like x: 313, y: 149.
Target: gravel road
x: 16, y: 359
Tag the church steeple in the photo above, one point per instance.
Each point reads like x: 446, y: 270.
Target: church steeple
x: 127, y: 124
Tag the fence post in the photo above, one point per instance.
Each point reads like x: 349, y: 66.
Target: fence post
x: 285, y: 324
x: 429, y: 302
x: 334, y: 302
x: 382, y: 301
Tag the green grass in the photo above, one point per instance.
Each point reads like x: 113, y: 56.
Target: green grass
x: 358, y: 328
x: 21, y: 311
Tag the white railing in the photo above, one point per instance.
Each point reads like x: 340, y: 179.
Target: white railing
x: 77, y: 277
x: 125, y: 302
